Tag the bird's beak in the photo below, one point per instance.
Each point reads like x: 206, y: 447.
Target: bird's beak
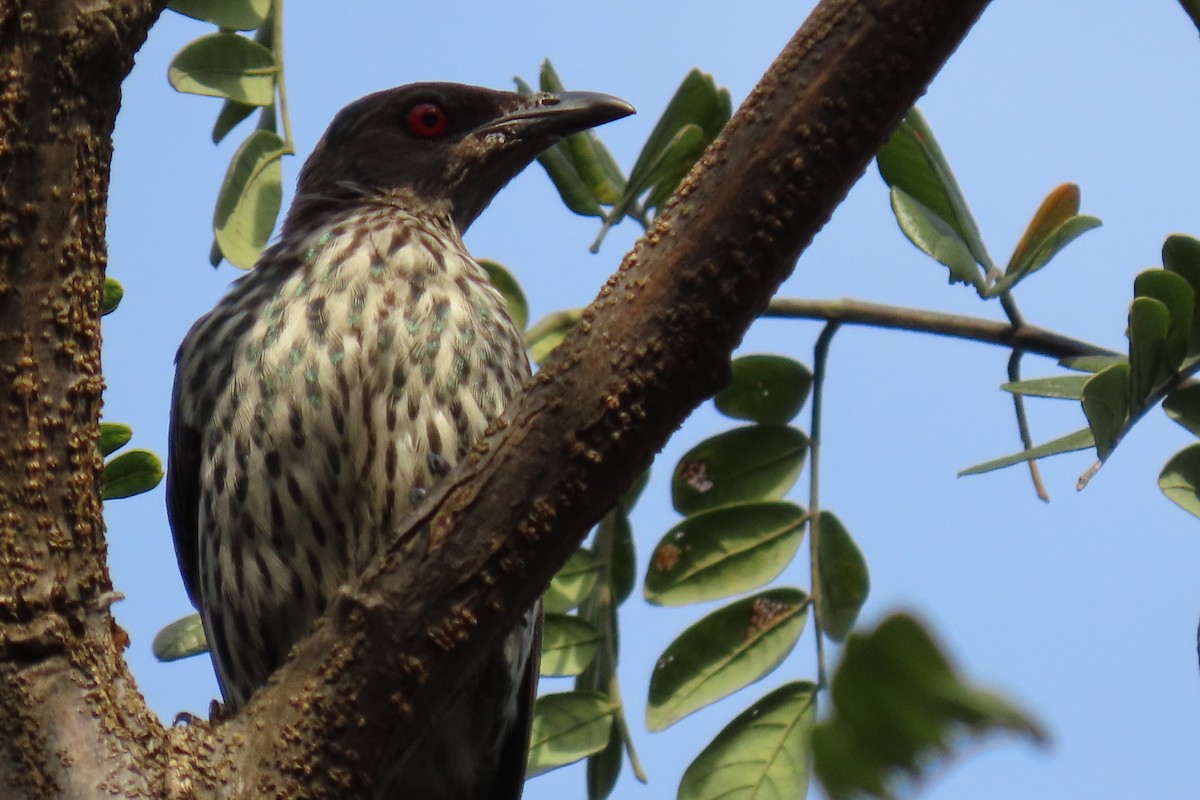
x: 547, y: 117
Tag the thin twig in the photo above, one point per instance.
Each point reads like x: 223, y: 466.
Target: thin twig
x: 603, y: 607
x: 1014, y: 375
x: 820, y: 364
x: 280, y: 81
x: 1029, y: 338
x: 1009, y: 304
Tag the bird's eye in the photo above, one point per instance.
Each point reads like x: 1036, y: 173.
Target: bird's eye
x: 427, y: 120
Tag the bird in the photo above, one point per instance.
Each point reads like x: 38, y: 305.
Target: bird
x: 341, y: 378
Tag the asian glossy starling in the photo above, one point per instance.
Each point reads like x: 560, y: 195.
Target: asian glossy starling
x: 341, y: 378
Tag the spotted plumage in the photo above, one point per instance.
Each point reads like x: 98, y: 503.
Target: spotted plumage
x: 345, y: 375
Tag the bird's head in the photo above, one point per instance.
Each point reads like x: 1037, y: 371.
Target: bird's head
x: 442, y: 147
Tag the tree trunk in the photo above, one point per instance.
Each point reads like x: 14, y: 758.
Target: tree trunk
x: 64, y: 685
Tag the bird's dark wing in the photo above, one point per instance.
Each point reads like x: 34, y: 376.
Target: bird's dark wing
x: 183, y: 492
x: 202, y: 366
x: 510, y: 780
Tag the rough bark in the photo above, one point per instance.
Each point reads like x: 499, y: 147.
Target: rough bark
x: 654, y: 344
x: 71, y: 721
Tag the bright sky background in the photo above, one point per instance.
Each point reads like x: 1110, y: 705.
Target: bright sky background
x: 1083, y: 610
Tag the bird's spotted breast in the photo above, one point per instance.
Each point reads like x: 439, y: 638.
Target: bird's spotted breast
x: 377, y: 354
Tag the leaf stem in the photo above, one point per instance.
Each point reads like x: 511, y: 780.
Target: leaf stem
x: 280, y: 81
x: 820, y: 364
x: 1014, y: 375
x: 553, y: 321
x: 603, y: 611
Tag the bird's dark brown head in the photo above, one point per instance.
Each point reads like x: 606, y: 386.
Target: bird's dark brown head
x: 440, y: 147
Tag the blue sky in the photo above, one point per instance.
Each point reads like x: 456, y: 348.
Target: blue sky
x: 1084, y: 610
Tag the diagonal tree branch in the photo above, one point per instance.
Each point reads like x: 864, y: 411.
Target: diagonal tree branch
x: 654, y: 344
x: 359, y: 689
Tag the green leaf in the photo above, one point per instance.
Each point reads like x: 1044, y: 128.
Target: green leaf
x: 744, y: 465
x: 899, y: 705
x: 761, y: 754
x: 113, y: 292
x: 1079, y: 440
x: 240, y: 15
x: 572, y: 584
x: 912, y: 161
x: 766, y: 389
x: 114, y: 436
x: 842, y: 571
x: 697, y: 102
x: 581, y: 168
x: 634, y: 492
x: 1062, y: 387
x: 1174, y: 292
x: 568, y: 726
x: 726, y: 651
x: 549, y: 333
x: 936, y: 238
x: 591, y: 159
x: 181, y: 639
x: 250, y: 196
x: 1055, y: 225
x: 604, y: 768
x: 1180, y: 479
x: 225, y: 65
x: 508, y: 286
x: 623, y: 569
x: 674, y: 162
x: 571, y: 187
x: 232, y: 112
x: 131, y: 473
x: 1106, y: 406
x: 1181, y: 255
x: 267, y: 120
x: 1183, y: 406
x: 1092, y: 364
x: 723, y: 552
x: 568, y: 645
x: 1149, y: 324
x: 601, y: 613
x: 1149, y: 330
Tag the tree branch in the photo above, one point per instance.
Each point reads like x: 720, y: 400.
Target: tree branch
x: 654, y: 344
x: 1029, y: 338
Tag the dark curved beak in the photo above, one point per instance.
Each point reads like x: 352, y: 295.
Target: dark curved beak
x: 552, y: 116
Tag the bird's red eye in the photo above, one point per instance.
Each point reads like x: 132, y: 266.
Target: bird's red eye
x: 427, y: 120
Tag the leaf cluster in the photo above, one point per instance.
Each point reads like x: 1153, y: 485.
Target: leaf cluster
x: 247, y: 73
x: 592, y: 184
x: 134, y: 471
